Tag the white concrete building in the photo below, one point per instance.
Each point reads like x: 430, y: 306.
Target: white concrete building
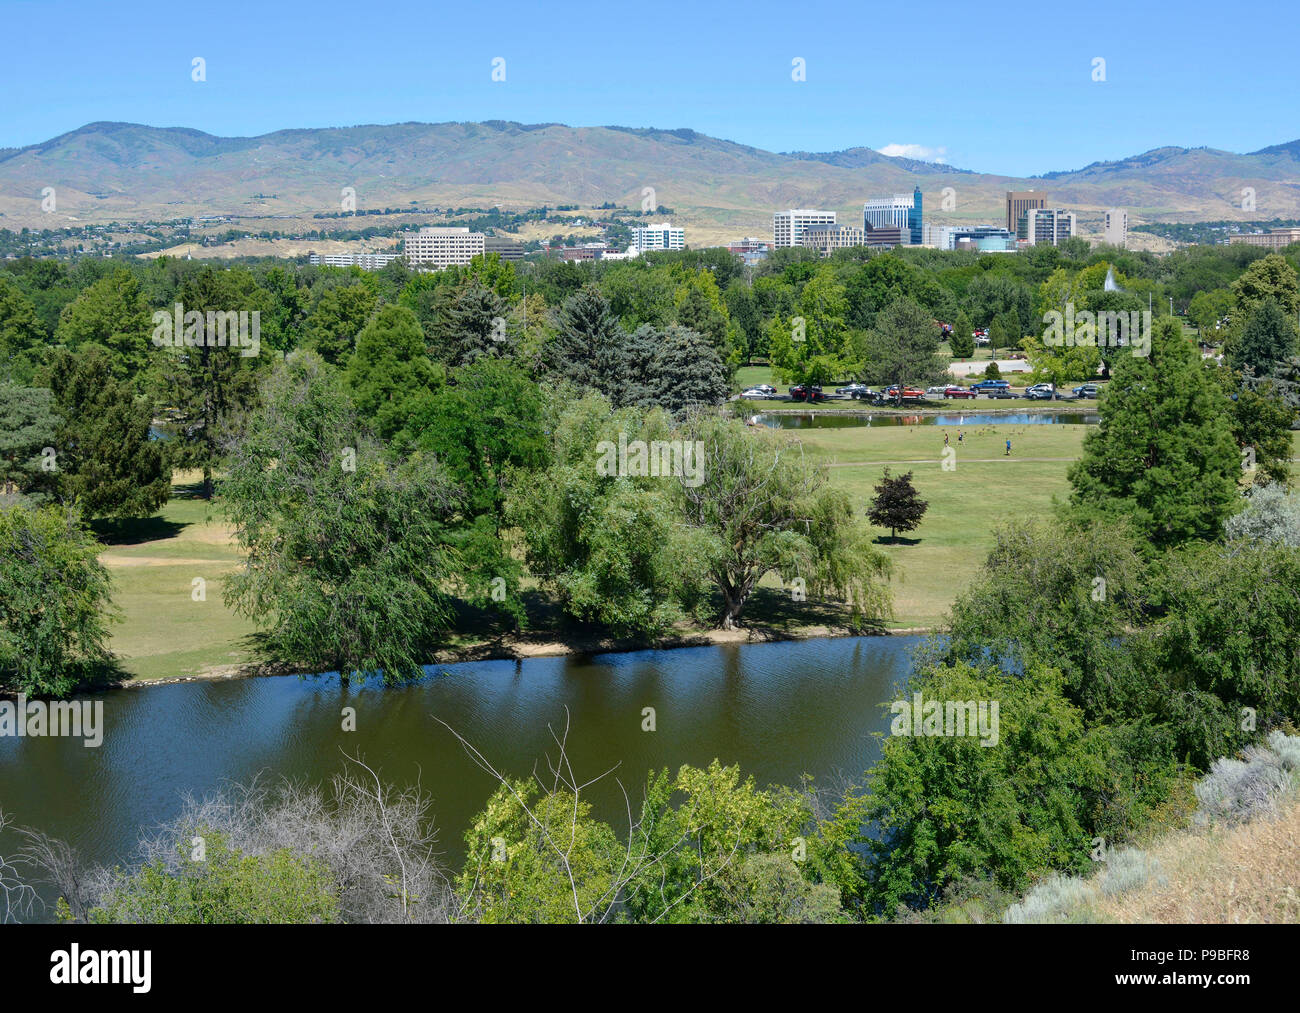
x: 368, y: 261
x: 788, y: 226
x: 440, y: 247
x: 658, y: 237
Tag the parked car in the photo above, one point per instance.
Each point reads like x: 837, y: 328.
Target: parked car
x: 756, y: 393
x: 1087, y: 390
x: 766, y: 387
x: 909, y: 393
x: 1041, y: 392
x: 951, y: 392
x: 989, y: 386
x: 804, y: 392
x: 851, y: 389
x: 865, y: 394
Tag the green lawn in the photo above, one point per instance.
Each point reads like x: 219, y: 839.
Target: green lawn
x: 165, y: 633
x: 984, y: 488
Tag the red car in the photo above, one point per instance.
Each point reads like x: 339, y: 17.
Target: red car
x: 957, y: 392
x: 909, y: 393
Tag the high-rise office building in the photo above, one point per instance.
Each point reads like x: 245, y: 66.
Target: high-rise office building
x: 1020, y: 201
x: 658, y: 237
x: 788, y: 226
x: 899, y: 210
x: 1117, y: 227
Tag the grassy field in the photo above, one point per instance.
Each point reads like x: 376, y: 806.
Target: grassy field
x: 984, y: 488
x: 166, y: 634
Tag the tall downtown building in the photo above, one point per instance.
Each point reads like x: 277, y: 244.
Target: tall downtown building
x: 900, y: 210
x: 1020, y: 202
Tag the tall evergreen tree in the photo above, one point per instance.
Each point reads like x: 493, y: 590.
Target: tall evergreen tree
x: 209, y: 387
x: 1163, y: 454
x: 588, y: 345
x: 1267, y: 336
x: 107, y: 463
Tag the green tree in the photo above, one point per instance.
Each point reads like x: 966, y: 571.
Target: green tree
x: 904, y: 346
x: 109, y: 464
x: 55, y: 601
x: 112, y: 312
x: 1266, y: 337
x: 962, y: 341
x: 612, y: 546
x: 346, y: 553
x: 337, y: 318
x: 28, y: 426
x: 1270, y: 277
x: 897, y: 505
x: 1163, y: 453
x: 753, y: 508
x: 207, y: 386
x: 588, y: 344
x: 21, y: 334
x: 390, y: 375
x: 560, y: 864
x: 471, y: 326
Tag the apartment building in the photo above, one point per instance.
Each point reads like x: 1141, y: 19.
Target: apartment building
x: 825, y: 238
x: 441, y: 247
x: 1117, y: 227
x: 367, y: 261
x: 788, y: 226
x: 1046, y: 226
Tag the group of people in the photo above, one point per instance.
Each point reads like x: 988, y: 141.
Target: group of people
x: 961, y: 436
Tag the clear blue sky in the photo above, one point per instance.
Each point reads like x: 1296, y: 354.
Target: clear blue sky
x: 996, y: 87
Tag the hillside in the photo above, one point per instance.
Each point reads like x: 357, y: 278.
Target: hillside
x: 719, y: 189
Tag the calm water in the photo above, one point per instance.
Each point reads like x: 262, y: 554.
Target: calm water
x: 778, y: 710
x: 841, y: 420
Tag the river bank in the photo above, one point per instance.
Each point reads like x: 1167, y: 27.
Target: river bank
x: 524, y: 647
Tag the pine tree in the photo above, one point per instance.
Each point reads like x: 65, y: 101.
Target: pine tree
x: 897, y: 505
x: 962, y: 341
x: 1163, y: 455
x: 588, y: 346
x: 1268, y: 336
x: 108, y: 464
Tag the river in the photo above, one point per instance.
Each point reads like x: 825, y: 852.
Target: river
x: 778, y: 709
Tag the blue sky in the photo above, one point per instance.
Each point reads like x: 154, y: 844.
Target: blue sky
x: 955, y: 80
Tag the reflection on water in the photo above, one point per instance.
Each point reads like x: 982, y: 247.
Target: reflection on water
x: 778, y: 710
